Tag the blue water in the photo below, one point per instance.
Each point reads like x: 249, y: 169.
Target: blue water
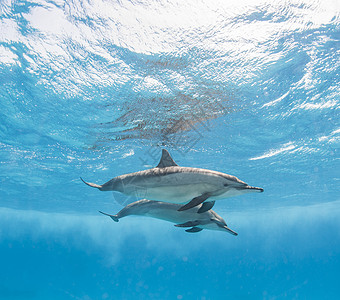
x: 97, y: 88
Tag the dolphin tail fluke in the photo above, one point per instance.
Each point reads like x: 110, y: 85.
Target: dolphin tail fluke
x: 113, y: 217
x: 92, y: 184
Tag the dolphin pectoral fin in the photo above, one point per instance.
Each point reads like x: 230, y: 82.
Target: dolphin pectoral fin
x: 113, y: 217
x: 194, y: 202
x: 188, y: 224
x: 91, y: 184
x: 206, y: 206
x: 194, y: 229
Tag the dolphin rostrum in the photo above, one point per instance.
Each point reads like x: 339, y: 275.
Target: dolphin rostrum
x: 169, y: 212
x: 169, y: 182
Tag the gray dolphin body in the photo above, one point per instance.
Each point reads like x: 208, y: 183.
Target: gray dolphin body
x: 169, y: 212
x: 169, y: 182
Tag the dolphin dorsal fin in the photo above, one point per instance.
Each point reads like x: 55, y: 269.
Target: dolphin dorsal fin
x: 166, y: 160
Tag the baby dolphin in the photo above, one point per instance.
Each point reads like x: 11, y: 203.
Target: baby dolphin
x: 169, y: 182
x: 169, y: 212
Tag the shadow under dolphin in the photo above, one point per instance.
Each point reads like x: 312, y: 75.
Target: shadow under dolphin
x: 169, y: 212
x: 171, y: 183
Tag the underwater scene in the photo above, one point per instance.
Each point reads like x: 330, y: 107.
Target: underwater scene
x: 169, y: 149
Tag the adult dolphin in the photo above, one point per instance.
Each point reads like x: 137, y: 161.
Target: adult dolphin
x: 169, y: 182
x: 169, y: 212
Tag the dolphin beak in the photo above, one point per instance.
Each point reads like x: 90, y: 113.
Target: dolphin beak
x: 230, y: 231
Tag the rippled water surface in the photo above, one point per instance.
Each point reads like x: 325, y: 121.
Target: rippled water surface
x: 97, y: 88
